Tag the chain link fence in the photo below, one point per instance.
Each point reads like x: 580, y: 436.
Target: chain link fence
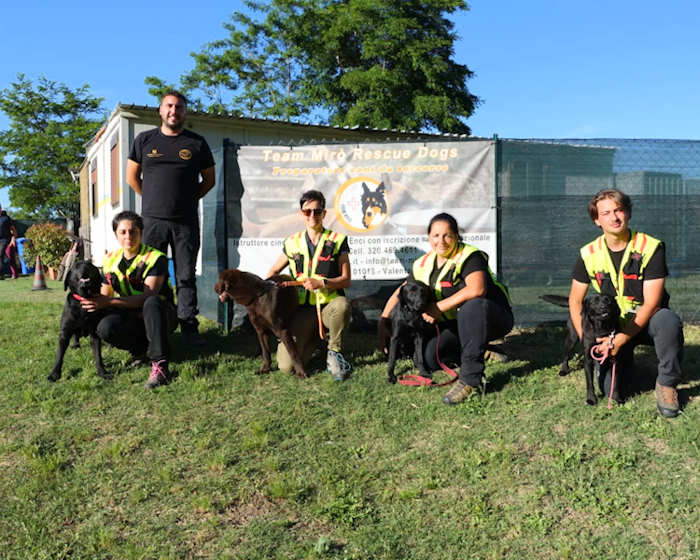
x: 543, y: 191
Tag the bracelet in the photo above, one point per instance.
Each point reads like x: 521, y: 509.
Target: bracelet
x: 324, y: 282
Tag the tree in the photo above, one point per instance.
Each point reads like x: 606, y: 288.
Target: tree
x: 49, y: 127
x: 370, y: 63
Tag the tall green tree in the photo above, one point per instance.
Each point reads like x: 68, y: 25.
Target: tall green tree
x: 49, y: 127
x: 371, y: 63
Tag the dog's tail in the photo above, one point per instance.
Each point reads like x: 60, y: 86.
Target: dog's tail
x: 561, y: 301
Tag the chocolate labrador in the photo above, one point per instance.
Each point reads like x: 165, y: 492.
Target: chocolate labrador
x: 82, y: 281
x: 271, y: 309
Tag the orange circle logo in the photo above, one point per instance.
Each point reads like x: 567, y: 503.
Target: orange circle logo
x: 185, y: 154
x: 362, y: 204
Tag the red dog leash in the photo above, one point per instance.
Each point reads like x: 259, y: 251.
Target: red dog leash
x: 600, y: 353
x: 418, y: 380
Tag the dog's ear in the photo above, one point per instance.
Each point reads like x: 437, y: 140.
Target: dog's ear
x: 365, y: 189
x: 381, y: 188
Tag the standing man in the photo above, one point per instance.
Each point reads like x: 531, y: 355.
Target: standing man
x: 172, y: 168
x: 630, y: 266
x: 8, y: 243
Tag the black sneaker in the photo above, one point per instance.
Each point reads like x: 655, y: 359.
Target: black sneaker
x: 193, y: 338
x: 137, y: 361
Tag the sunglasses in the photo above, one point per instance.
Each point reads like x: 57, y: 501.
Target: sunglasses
x: 315, y: 211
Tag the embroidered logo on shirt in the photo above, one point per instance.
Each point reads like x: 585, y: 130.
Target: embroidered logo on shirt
x: 185, y: 154
x: 154, y: 153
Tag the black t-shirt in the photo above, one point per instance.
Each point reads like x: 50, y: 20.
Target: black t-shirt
x: 656, y: 267
x: 475, y: 262
x: 170, y: 166
x: 5, y: 226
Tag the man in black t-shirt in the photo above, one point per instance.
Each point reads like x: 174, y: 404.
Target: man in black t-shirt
x: 164, y: 167
x: 630, y: 266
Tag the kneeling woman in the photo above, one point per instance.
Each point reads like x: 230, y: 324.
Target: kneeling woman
x: 472, y: 306
x: 135, y: 289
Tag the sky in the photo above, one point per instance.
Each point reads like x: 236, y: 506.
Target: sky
x: 543, y: 69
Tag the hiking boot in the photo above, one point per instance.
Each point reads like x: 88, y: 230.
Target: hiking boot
x: 459, y: 392
x: 337, y: 365
x: 193, y: 338
x: 159, y: 374
x: 666, y: 400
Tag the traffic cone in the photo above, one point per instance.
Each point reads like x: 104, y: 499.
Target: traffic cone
x: 39, y: 279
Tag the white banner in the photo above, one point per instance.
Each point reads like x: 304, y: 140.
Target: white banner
x: 381, y: 195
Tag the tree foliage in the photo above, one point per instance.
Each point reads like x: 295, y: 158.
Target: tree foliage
x: 49, y: 127
x: 369, y: 63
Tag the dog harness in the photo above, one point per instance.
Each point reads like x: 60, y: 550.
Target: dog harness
x: 323, y: 263
x: 450, y: 273
x: 626, y: 286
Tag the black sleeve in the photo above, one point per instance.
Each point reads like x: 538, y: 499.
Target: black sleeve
x: 160, y: 268
x: 135, y: 152
x: 579, y: 272
x: 206, y: 157
x: 344, y: 247
x: 656, y: 267
x: 474, y: 262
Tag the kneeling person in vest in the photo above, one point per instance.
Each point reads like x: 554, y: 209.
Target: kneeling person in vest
x: 318, y: 257
x: 136, y: 291
x: 630, y: 266
x: 472, y: 307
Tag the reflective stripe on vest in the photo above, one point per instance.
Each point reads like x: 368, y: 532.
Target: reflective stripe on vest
x: 146, y: 258
x: 620, y: 285
x: 296, y: 244
x: 423, y: 267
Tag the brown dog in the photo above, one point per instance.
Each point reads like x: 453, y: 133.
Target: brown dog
x: 271, y: 309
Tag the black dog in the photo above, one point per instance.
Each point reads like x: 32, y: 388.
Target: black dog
x: 373, y: 205
x: 83, y: 281
x: 600, y: 317
x: 407, y: 324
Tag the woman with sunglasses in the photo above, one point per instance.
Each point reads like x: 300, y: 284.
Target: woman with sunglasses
x: 317, y: 257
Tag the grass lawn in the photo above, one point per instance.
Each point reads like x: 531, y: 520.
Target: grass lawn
x: 222, y: 463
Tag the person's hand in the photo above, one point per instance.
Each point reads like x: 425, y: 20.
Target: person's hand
x: 384, y: 334
x: 95, y: 303
x: 312, y: 284
x: 616, y: 343
x: 431, y: 314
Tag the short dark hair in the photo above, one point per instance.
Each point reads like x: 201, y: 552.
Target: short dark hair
x: 127, y: 215
x: 613, y: 194
x: 449, y: 219
x: 313, y: 195
x: 174, y: 93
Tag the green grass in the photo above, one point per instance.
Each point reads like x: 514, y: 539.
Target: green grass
x: 226, y: 464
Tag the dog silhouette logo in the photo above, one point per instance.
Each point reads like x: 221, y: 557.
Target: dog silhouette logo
x: 362, y: 204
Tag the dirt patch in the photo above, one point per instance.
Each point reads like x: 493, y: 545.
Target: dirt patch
x: 258, y: 506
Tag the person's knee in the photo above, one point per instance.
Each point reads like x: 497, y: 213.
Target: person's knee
x: 152, y: 304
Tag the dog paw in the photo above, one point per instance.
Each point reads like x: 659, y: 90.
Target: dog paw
x: 263, y: 371
x: 592, y: 400
x: 104, y: 374
x: 392, y: 379
x: 301, y: 374
x: 563, y: 372
x: 54, y: 376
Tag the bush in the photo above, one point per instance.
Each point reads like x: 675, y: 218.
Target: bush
x: 50, y: 241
